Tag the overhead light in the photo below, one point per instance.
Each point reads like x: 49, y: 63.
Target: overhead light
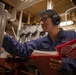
x: 65, y: 23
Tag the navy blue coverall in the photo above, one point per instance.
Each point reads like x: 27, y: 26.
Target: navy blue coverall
x: 45, y: 43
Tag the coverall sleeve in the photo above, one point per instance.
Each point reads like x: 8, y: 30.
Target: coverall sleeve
x: 19, y: 49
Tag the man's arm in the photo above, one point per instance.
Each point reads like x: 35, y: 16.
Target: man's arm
x: 11, y: 45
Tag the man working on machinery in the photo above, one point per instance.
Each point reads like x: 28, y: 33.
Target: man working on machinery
x: 49, y: 21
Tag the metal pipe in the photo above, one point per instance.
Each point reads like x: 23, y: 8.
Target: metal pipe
x: 13, y: 15
x: 20, y: 21
x: 26, y: 4
x: 14, y: 32
x: 3, y: 17
x: 49, y: 4
x: 28, y: 20
x: 66, y: 15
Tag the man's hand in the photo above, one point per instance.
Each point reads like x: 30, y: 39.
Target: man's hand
x: 55, y: 63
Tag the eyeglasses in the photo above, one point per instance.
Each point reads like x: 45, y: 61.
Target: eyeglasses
x: 44, y: 19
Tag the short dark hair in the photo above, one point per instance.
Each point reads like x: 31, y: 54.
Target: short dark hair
x: 49, y: 12
x: 52, y: 14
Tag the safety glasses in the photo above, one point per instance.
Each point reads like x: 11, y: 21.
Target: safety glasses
x: 44, y: 19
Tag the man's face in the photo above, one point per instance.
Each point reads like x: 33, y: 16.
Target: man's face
x: 46, y: 23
